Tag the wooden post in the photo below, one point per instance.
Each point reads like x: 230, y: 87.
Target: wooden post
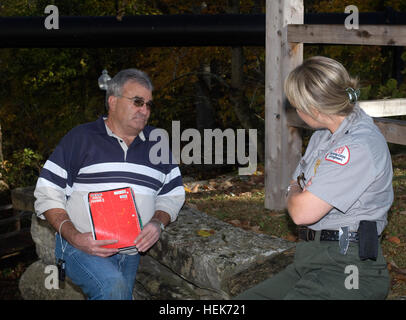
x: 283, y: 144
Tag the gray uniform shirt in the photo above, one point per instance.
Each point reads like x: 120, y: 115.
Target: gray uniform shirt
x: 352, y: 171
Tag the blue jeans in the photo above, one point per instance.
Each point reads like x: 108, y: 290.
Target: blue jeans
x: 110, y: 278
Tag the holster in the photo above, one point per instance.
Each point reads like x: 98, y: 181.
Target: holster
x: 368, y: 240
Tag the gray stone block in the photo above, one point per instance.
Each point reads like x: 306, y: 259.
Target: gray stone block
x: 157, y: 282
x: 209, y: 253
x: 23, y: 198
x: 43, y: 236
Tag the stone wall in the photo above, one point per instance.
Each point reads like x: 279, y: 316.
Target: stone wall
x: 197, y: 257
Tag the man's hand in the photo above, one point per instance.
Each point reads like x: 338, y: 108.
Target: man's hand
x: 86, y: 243
x: 59, y: 219
x: 148, y: 236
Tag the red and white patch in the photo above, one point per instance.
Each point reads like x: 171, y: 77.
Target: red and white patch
x: 340, y: 155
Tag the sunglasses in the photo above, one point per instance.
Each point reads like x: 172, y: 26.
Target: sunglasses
x: 139, y: 102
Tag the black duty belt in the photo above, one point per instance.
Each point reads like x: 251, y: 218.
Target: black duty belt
x: 307, y: 234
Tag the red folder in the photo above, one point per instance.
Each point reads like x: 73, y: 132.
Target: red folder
x: 114, y: 215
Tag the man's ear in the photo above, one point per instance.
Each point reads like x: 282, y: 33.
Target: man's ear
x: 112, y: 101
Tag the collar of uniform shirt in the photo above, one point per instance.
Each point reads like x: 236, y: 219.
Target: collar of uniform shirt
x: 348, y: 120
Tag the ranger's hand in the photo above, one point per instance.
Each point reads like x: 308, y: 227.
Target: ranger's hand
x: 308, y: 184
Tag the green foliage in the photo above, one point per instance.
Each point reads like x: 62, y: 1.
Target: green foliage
x: 22, y: 169
x: 44, y: 92
x: 392, y: 90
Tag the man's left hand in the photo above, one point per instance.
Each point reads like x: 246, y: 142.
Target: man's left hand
x: 148, y: 236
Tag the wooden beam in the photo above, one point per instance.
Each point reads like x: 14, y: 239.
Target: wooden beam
x: 283, y: 144
x: 16, y: 217
x: 393, y: 130
x: 25, y: 230
x: 374, y: 108
x: 384, y: 108
x: 380, y: 35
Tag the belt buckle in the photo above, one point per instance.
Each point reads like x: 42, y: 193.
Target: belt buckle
x: 310, y: 234
x: 306, y: 233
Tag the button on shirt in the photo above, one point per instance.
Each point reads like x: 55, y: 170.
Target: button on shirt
x: 352, y: 171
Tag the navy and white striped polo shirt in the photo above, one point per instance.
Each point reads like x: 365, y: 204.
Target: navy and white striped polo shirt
x: 91, y: 158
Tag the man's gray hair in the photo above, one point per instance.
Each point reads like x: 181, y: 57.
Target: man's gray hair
x: 115, y: 85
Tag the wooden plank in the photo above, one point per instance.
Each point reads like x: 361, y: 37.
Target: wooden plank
x: 15, y: 233
x: 6, y: 207
x: 15, y: 217
x: 283, y: 144
x: 23, y: 198
x: 384, y: 107
x: 393, y: 130
x: 380, y: 35
x: 16, y: 243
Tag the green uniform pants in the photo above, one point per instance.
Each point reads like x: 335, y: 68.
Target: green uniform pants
x: 319, y: 271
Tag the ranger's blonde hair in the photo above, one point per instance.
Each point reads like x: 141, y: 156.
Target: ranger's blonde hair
x: 320, y: 83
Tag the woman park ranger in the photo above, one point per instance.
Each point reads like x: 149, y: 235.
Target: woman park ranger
x: 339, y: 195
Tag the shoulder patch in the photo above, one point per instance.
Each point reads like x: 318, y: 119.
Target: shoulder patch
x: 340, y: 156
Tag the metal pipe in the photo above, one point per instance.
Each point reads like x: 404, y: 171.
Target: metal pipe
x: 159, y: 30
x: 133, y: 31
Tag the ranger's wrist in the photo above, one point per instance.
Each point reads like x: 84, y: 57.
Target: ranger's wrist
x: 293, y: 187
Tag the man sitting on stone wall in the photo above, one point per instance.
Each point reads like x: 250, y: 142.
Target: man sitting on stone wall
x: 109, y: 153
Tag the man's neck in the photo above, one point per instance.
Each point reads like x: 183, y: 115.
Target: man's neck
x: 120, y: 132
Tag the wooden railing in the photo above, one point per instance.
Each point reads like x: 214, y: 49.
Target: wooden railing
x: 14, y: 231
x: 285, y: 36
x: 393, y: 130
x: 381, y: 35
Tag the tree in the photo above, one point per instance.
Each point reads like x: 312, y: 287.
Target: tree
x: 57, y: 87
x: 201, y: 86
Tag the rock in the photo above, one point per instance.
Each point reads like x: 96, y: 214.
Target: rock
x: 160, y: 283
x: 44, y: 238
x: 23, y: 198
x: 259, y: 272
x: 154, y: 281
x: 209, y: 253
